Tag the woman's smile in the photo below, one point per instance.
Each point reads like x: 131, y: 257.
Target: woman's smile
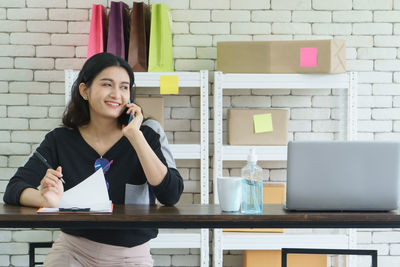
x: 113, y: 104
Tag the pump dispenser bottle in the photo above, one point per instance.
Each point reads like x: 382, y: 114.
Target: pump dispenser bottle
x: 252, y: 187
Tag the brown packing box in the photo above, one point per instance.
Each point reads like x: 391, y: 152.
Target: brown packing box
x: 153, y: 108
x: 272, y: 194
x: 273, y: 258
x: 281, y: 56
x: 241, y: 127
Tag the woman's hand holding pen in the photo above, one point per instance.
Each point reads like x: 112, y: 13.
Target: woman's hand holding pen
x: 51, y: 188
x: 137, y: 118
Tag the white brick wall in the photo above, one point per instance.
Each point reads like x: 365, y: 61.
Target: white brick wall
x: 331, y: 28
x: 352, y: 16
x: 255, y: 4
x: 191, y: 15
x: 372, y: 4
x: 311, y: 16
x: 234, y: 15
x: 372, y: 28
x: 291, y: 4
x: 68, y: 14
x: 192, y: 40
x: 271, y: 16
x: 45, y: 3
x: 40, y: 38
x: 26, y: 13
x: 17, y: 50
x: 209, y: 4
x: 210, y: 28
x: 332, y: 5
x: 291, y: 28
x: 47, y: 26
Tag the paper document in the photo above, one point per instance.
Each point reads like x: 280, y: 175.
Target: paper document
x: 91, y: 193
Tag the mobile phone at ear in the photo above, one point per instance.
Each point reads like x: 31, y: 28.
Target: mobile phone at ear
x: 125, y: 118
x: 130, y: 115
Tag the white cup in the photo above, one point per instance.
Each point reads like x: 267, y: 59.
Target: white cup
x: 230, y: 193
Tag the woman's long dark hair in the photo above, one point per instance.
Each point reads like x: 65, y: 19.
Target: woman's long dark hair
x: 77, y: 112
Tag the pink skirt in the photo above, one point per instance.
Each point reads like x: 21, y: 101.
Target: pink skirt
x: 69, y: 250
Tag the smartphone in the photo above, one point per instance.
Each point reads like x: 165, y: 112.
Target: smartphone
x: 125, y: 118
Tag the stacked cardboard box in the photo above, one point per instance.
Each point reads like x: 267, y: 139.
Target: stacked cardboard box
x: 153, y: 108
x: 314, y: 56
x: 241, y: 127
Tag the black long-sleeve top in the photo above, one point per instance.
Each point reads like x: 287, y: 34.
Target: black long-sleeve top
x: 127, y: 182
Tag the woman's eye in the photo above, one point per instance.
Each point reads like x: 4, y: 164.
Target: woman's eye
x: 107, y: 84
x: 124, y: 87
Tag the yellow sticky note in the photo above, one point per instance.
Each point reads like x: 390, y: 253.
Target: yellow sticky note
x: 263, y: 123
x: 169, y: 85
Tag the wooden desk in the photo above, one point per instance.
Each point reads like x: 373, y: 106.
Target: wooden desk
x: 195, y: 216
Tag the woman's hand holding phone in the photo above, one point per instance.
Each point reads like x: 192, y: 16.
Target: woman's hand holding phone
x: 137, y: 118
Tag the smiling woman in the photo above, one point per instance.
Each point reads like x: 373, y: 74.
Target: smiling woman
x: 135, y: 157
x: 97, y: 71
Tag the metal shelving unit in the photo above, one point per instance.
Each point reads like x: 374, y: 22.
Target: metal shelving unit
x: 185, y: 238
x: 250, y: 241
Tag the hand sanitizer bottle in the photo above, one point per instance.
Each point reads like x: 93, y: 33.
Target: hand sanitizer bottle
x: 252, y: 187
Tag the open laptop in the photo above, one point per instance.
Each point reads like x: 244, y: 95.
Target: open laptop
x: 340, y: 175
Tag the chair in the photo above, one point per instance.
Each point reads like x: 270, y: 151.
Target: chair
x: 32, y: 247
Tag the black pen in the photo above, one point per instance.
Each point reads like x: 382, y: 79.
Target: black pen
x: 42, y: 159
x: 74, y: 209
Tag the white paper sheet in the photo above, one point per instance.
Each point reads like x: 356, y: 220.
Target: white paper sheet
x: 90, y: 193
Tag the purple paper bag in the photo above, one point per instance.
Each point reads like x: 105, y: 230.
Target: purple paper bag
x: 118, y: 30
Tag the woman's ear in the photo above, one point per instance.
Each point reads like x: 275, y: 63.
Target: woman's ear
x: 83, y: 91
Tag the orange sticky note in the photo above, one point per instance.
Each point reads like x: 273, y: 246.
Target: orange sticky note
x: 169, y: 85
x: 263, y: 123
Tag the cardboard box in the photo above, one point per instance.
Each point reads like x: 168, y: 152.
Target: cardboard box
x: 272, y: 194
x: 273, y: 258
x: 241, y: 127
x: 313, y: 56
x: 153, y: 108
x: 275, y: 194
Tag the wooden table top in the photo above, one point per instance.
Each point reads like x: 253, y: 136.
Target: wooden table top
x: 195, y: 216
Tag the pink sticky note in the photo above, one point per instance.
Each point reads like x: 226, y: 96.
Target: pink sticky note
x: 308, y: 57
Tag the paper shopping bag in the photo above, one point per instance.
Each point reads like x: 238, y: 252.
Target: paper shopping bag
x: 160, y: 51
x: 147, y: 23
x: 98, y: 30
x: 137, y: 53
x: 118, y: 29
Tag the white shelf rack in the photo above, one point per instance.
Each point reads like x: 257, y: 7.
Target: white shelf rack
x: 184, y: 238
x: 242, y: 240
x: 263, y: 153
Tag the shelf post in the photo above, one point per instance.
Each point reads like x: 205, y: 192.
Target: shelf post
x: 217, y: 171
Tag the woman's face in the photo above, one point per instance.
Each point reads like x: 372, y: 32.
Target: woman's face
x: 109, y: 92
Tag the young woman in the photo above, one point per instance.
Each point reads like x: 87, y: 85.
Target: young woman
x: 138, y: 165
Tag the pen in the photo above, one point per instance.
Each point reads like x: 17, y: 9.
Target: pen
x: 74, y: 209
x: 42, y: 159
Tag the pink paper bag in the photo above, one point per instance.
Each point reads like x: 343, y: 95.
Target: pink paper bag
x: 98, y: 30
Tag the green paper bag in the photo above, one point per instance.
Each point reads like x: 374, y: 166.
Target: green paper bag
x: 160, y: 50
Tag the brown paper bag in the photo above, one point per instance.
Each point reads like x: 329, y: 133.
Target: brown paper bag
x: 137, y: 53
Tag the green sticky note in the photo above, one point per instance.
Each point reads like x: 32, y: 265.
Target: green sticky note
x: 169, y: 85
x: 263, y: 123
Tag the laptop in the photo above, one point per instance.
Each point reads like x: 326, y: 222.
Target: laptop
x: 343, y: 176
